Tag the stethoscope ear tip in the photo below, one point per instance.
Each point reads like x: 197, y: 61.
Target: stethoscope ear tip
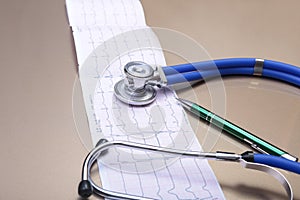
x: 101, y: 141
x: 85, y: 189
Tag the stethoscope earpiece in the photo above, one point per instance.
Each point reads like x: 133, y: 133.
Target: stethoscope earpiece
x: 250, y: 160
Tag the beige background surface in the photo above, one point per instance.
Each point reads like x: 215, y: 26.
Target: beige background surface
x: 41, y: 153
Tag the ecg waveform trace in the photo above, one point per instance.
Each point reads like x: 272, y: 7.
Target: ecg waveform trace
x: 107, y: 35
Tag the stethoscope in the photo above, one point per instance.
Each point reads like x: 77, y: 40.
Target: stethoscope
x: 139, y: 88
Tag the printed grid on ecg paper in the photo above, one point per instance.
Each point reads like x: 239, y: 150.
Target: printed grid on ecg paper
x: 163, y: 123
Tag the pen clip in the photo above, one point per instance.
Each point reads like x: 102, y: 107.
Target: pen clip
x: 255, y: 146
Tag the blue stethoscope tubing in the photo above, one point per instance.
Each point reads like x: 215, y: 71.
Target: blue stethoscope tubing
x: 277, y: 162
x: 231, y: 66
x: 239, y: 66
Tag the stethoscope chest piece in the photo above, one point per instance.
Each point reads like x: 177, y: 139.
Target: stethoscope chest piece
x: 133, y: 89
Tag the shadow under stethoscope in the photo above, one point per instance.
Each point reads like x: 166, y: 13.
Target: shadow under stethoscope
x: 260, y: 193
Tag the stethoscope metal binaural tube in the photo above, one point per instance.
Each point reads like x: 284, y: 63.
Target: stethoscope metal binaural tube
x: 87, y: 187
x: 138, y: 86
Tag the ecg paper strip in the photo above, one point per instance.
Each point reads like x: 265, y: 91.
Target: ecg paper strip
x: 98, y: 29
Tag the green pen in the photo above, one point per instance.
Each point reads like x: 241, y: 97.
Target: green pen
x: 255, y: 142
